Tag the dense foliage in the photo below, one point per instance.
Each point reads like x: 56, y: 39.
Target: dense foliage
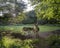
x: 7, y: 42
x: 49, y: 9
x: 12, y: 11
x: 52, y: 41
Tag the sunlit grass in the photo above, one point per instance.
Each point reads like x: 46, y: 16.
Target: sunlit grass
x: 43, y: 28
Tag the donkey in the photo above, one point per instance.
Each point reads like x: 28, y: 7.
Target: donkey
x: 32, y: 31
x: 28, y: 29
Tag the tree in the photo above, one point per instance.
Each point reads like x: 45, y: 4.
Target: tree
x: 15, y: 9
x: 18, y: 19
x: 48, y: 9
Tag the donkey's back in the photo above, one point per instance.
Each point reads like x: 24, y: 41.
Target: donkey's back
x: 28, y: 28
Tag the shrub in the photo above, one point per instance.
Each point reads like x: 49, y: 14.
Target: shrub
x: 54, y: 41
x: 16, y: 43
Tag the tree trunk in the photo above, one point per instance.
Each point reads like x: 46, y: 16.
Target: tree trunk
x: 36, y: 27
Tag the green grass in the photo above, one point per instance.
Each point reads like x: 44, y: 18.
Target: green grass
x: 43, y: 28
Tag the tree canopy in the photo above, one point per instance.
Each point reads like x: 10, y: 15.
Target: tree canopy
x: 14, y: 11
x: 48, y: 9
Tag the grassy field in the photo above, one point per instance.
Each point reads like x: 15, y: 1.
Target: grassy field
x: 43, y: 28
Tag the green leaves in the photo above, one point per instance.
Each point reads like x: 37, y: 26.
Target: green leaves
x: 8, y: 42
x: 48, y: 9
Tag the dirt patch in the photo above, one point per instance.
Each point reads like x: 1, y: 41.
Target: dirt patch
x: 47, y: 34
